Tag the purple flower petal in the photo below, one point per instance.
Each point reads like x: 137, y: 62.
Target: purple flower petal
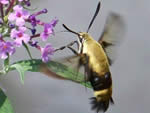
x: 20, y: 22
x: 11, y: 17
x: 20, y: 36
x: 48, y: 29
x: 19, y: 15
x: 6, y: 48
x: 22, y: 29
x: 26, y: 38
x: 25, y: 14
x: 4, y: 2
x: 13, y: 33
x: 44, y: 36
x: 47, y: 52
x: 18, y: 8
x: 54, y: 22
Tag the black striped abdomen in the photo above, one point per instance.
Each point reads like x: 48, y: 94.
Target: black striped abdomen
x: 100, y: 82
x: 102, y: 86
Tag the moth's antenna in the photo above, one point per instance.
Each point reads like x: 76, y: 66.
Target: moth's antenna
x: 96, y: 12
x: 70, y: 30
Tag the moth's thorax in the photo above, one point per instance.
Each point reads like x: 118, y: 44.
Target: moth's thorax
x: 97, y: 57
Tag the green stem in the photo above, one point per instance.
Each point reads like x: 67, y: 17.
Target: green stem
x: 2, y: 12
x: 6, y: 61
x: 26, y: 47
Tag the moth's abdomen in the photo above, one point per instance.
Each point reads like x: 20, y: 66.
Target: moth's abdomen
x: 102, y: 86
x: 100, y: 82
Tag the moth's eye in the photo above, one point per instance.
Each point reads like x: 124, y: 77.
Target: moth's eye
x: 81, y: 36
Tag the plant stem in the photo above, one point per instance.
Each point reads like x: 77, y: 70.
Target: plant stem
x: 1, y: 10
x: 10, y: 6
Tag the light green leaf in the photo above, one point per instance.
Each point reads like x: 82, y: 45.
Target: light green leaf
x: 5, y: 106
x: 36, y: 65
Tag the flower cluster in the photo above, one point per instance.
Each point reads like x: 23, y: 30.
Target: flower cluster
x: 14, y: 30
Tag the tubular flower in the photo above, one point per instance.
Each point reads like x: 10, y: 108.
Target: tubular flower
x: 48, y: 29
x: 6, y: 48
x: 4, y: 2
x: 19, y: 27
x: 20, y: 36
x: 47, y: 51
x: 19, y: 15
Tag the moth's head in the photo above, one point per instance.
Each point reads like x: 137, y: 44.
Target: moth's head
x: 83, y: 35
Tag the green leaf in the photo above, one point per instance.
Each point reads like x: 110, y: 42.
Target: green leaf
x: 36, y: 65
x: 21, y: 71
x: 5, y: 106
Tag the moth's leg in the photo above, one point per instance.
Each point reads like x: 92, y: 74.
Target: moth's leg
x: 73, y: 50
x: 87, y: 71
x: 69, y: 45
x: 84, y: 61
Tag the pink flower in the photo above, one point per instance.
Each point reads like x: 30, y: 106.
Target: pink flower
x: 48, y: 29
x: 6, y: 48
x: 20, y: 36
x: 47, y: 51
x: 19, y: 15
x: 4, y: 2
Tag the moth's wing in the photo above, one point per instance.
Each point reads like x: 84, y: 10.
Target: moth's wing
x: 66, y: 66
x: 114, y: 31
x: 73, y: 62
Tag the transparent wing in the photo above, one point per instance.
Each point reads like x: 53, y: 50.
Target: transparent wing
x: 71, y: 61
x: 74, y: 62
x: 112, y: 35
